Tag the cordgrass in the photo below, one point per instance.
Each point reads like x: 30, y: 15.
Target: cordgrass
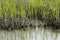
x: 14, y: 10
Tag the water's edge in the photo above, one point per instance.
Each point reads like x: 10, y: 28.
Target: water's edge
x: 30, y: 34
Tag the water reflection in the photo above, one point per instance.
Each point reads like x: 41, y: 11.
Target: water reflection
x: 30, y: 34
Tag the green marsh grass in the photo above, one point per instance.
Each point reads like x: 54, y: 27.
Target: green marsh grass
x: 12, y: 11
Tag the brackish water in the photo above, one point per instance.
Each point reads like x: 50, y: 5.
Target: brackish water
x: 30, y: 34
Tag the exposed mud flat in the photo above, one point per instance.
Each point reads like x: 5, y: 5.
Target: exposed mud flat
x: 30, y: 34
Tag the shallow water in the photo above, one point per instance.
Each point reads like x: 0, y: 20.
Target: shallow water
x: 30, y: 34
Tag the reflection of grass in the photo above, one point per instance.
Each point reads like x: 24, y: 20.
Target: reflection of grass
x: 12, y: 10
x: 29, y: 34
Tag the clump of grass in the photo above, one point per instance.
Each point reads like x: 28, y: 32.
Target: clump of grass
x: 13, y: 11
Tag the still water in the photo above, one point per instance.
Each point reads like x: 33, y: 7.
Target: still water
x: 30, y: 34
